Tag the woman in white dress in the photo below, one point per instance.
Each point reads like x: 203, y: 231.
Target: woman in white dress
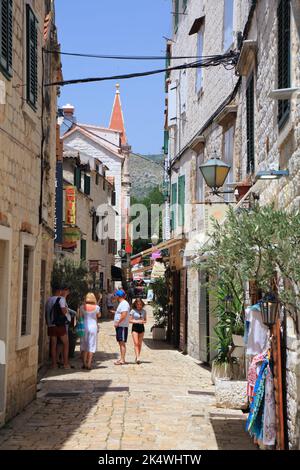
x: 90, y: 312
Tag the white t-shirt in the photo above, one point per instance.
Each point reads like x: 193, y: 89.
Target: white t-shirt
x: 123, y: 307
x: 49, y: 305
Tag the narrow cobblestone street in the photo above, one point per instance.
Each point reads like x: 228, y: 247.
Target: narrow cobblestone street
x: 167, y: 402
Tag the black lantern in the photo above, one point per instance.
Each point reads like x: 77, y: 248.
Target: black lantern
x: 215, y: 172
x: 270, y: 309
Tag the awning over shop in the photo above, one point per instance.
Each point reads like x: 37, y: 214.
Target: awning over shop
x: 116, y: 273
x: 161, y: 246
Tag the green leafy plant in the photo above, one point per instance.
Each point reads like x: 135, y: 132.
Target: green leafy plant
x: 160, y: 303
x: 261, y: 245
x: 73, y: 274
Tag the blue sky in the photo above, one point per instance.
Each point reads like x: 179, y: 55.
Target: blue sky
x: 132, y: 27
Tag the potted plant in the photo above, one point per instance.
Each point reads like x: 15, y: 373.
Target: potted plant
x: 160, y: 306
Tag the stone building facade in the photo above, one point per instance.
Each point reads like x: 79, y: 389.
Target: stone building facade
x: 27, y: 193
x: 244, y: 117
x: 94, y: 217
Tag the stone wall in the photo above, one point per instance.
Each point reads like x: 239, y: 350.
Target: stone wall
x: 20, y: 189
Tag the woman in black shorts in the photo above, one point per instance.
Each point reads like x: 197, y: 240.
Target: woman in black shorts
x: 138, y: 318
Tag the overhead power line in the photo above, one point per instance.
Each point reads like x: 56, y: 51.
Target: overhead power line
x: 126, y: 57
x: 228, y: 60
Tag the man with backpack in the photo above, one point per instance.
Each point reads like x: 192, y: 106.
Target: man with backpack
x: 56, y: 310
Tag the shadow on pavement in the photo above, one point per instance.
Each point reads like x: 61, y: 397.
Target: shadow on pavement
x: 154, y: 344
x: 226, y: 429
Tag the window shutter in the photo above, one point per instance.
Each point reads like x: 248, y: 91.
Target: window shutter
x: 32, y: 58
x: 250, y: 126
x: 184, y: 4
x: 181, y: 200
x: 284, y: 55
x: 113, y: 198
x: 166, y: 142
x: 83, y: 250
x: 87, y: 184
x: 6, y: 35
x: 173, y: 206
x: 77, y: 177
x: 172, y: 105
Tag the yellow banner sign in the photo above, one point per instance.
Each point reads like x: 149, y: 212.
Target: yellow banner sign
x: 70, y: 205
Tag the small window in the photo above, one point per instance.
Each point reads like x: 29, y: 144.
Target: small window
x: 228, y: 24
x: 95, y: 222
x: 26, y: 300
x: 77, y: 177
x: 199, y: 70
x: 113, y: 198
x: 6, y: 36
x: 284, y: 57
x: 32, y: 58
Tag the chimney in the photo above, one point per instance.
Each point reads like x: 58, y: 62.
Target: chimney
x: 68, y: 111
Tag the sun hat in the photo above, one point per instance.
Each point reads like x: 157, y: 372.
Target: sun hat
x: 120, y: 293
x: 90, y: 298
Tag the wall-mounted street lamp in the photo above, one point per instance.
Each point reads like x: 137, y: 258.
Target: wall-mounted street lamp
x: 271, y: 174
x: 215, y: 172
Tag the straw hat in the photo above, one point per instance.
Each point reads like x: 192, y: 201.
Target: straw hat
x: 90, y: 298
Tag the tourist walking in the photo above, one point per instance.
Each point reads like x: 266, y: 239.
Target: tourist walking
x: 138, y: 318
x: 121, y: 323
x: 90, y: 312
x: 56, y: 310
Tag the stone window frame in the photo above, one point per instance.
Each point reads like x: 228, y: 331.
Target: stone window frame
x: 25, y: 341
x: 6, y: 236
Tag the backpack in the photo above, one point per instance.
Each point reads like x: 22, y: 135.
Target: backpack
x: 56, y: 315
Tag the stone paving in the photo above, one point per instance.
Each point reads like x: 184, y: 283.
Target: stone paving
x: 148, y: 406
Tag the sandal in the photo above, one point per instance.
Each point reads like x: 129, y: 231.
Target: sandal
x: 119, y: 363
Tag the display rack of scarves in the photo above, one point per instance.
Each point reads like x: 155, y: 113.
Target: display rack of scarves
x: 261, y: 422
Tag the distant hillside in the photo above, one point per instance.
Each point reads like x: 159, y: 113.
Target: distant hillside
x: 145, y: 175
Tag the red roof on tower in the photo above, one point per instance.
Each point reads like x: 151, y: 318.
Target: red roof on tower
x: 117, y: 119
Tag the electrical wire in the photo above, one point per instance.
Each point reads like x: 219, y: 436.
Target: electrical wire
x: 125, y: 57
x: 226, y: 60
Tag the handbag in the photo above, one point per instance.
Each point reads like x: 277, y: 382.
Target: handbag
x: 80, y: 328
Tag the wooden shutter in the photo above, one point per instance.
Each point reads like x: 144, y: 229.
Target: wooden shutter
x: 284, y: 56
x: 166, y: 142
x: 77, y: 177
x: 6, y: 35
x: 83, y: 250
x: 250, y: 126
x: 173, y: 204
x: 181, y: 200
x: 32, y: 58
x: 87, y: 184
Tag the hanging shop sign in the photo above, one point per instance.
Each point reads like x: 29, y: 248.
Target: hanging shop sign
x: 70, y: 205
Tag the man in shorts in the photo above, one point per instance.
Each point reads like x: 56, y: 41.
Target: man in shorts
x: 121, y: 323
x: 54, y: 331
